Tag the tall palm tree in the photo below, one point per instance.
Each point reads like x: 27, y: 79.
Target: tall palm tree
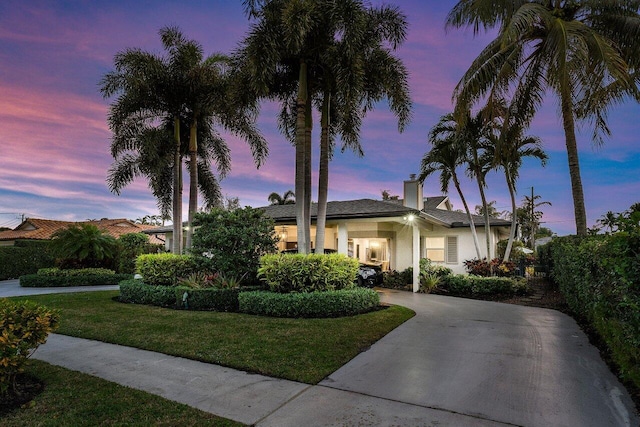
x: 287, y: 198
x: 511, y: 148
x: 446, y: 156
x: 587, y: 52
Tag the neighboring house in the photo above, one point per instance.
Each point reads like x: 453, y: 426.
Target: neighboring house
x: 43, y: 229
x: 396, y: 234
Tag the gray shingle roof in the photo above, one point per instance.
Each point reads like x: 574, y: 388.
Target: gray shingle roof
x: 369, y: 208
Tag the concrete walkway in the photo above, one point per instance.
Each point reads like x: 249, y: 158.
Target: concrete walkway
x: 456, y: 363
x: 12, y: 288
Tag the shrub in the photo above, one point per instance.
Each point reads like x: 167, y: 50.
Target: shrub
x: 207, y: 299
x: 45, y: 281
x: 232, y: 242
x: 345, y: 302
x: 130, y: 246
x: 78, y: 272
x: 23, y: 327
x: 202, y: 280
x: 26, y: 257
x: 165, y: 269
x: 470, y: 285
x: 480, y: 267
x: 84, y: 245
x: 308, y: 273
x: 138, y: 292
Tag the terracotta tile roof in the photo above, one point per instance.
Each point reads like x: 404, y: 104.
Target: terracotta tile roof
x: 43, y: 229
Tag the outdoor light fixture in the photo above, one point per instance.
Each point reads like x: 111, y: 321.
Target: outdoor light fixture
x: 409, y: 217
x: 283, y: 233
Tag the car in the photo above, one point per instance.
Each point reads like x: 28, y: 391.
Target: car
x: 369, y: 275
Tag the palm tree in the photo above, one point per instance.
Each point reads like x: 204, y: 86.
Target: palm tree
x: 288, y: 198
x: 446, y: 156
x: 511, y: 148
x: 587, y: 52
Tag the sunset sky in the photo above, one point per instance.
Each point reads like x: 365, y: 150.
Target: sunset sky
x: 54, y: 139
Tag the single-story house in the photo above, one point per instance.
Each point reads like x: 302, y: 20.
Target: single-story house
x: 43, y: 229
x: 396, y: 234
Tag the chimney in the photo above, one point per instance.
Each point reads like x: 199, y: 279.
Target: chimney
x: 413, y: 193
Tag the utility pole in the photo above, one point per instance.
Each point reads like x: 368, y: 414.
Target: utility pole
x: 533, y: 222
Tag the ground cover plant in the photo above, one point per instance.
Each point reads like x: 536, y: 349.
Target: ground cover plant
x: 295, y: 349
x: 71, y: 398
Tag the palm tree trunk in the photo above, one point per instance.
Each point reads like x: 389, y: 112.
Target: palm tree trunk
x: 307, y: 172
x: 323, y: 176
x: 301, y: 106
x: 487, y: 226
x: 512, y: 232
x: 474, y: 233
x: 193, y: 180
x: 177, y: 190
x: 574, y: 165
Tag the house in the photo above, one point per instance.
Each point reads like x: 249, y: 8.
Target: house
x: 396, y: 234
x: 43, y: 229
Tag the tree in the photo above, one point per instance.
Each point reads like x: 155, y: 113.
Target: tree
x: 529, y: 218
x: 447, y: 154
x: 587, y: 52
x: 84, y: 245
x: 491, y: 210
x: 156, y: 95
x: 386, y: 195
x: 287, y: 198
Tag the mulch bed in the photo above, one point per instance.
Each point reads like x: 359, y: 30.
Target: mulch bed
x: 27, y: 388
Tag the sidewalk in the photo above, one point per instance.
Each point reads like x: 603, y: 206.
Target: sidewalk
x: 12, y: 288
x: 456, y: 363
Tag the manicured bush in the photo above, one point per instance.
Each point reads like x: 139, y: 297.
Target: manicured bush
x: 74, y: 272
x: 26, y: 257
x: 207, y: 299
x: 469, y: 285
x: 345, y: 302
x: 44, y: 281
x: 232, y: 241
x: 138, y: 292
x: 600, y: 279
x: 24, y: 326
x: 130, y: 246
x: 308, y: 273
x: 165, y: 269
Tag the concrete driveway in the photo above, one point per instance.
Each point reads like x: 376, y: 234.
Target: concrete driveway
x: 11, y: 288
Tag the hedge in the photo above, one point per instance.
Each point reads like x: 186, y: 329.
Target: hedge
x: 138, y: 292
x: 600, y: 279
x: 345, y: 302
x: 74, y: 272
x: 164, y: 269
x: 41, y: 281
x: 469, y: 285
x: 308, y: 273
x: 24, y: 258
x: 207, y: 299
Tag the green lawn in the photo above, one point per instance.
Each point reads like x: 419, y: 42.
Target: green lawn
x: 74, y: 399
x: 305, y: 350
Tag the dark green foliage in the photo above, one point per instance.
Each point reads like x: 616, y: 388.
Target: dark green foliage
x: 497, y: 267
x: 45, y: 281
x: 398, y: 280
x: 137, y: 292
x: 345, y: 302
x: 165, y: 269
x: 469, y: 285
x: 600, y: 279
x: 308, y: 273
x: 232, y: 242
x: 26, y: 257
x: 79, y: 272
x: 84, y: 245
x: 207, y: 299
x: 130, y: 246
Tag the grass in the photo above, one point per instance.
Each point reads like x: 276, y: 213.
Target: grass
x: 74, y: 399
x: 305, y: 350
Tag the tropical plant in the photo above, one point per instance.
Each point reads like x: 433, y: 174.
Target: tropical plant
x: 529, y: 217
x: 447, y: 154
x: 587, y: 52
x: 84, y: 245
x: 287, y: 198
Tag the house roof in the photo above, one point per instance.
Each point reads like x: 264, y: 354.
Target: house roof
x: 369, y: 208
x: 43, y: 229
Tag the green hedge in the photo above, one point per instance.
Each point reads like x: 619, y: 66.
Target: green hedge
x: 207, y: 299
x: 164, y: 269
x: 41, y: 281
x: 308, y: 273
x: 138, y: 292
x: 600, y: 279
x: 346, y: 302
x: 24, y: 258
x: 469, y: 285
x: 74, y: 272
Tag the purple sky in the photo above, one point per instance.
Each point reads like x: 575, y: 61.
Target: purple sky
x: 54, y: 140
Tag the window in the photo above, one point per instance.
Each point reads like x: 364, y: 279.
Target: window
x: 442, y: 249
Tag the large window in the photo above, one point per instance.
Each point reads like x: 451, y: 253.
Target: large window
x: 442, y: 249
